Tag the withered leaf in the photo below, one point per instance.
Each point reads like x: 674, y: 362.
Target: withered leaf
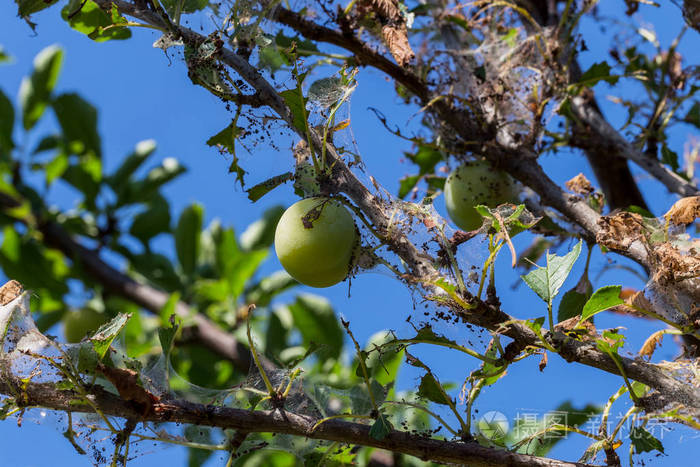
x: 127, y: 383
x: 396, y: 38
x: 650, y: 344
x: 684, y: 211
x: 394, y: 31
x: 9, y: 291
x: 670, y: 265
x: 580, y: 185
x: 618, y: 231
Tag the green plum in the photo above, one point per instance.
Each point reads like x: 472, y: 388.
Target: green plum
x: 77, y: 324
x: 315, y: 240
x: 472, y: 184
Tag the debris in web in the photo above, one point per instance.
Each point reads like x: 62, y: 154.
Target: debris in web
x: 29, y: 357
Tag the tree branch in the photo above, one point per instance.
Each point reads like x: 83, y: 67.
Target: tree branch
x: 276, y: 421
x: 607, y: 138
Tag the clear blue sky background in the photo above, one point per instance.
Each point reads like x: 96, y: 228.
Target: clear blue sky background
x: 141, y: 94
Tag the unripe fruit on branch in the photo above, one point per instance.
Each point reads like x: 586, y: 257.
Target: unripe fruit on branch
x: 78, y: 324
x: 472, y: 184
x: 315, y: 240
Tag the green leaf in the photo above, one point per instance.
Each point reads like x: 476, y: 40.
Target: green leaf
x: 304, y: 47
x: 142, y: 190
x: 85, y: 176
x: 152, y: 221
x: 187, y: 237
x: 188, y: 6
x: 48, y: 143
x: 530, y: 437
x: 488, y: 372
x: 297, y: 106
x: 30, y: 263
x: 157, y: 269
x: 131, y: 163
x: 7, y: 121
x: 515, y: 218
x: 426, y: 334
x: 603, y: 299
x: 202, y: 435
x: 35, y: 90
x: 97, y: 24
x: 87, y: 358
x: 571, y: 304
x: 546, y: 281
x: 643, y: 441
x: 233, y: 265
x: 168, y: 310
x: 279, y: 325
x: 271, y: 58
x: 4, y: 56
x: 103, y: 338
x: 430, y: 389
x: 610, y: 342
x: 261, y: 233
x: 597, y: 72
x: 316, y: 321
x: 406, y: 184
x: 226, y: 138
x: 264, y: 291
x: 29, y: 7
x: 669, y: 157
x: 261, y: 189
x: 78, y: 120
x: 381, y: 428
x: 56, y: 167
x: 693, y: 115
x: 383, y: 358
x: 166, y: 336
x: 426, y: 158
x: 573, y: 301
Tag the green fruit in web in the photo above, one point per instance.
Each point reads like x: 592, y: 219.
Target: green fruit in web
x: 315, y: 240
x: 80, y: 323
x: 473, y: 184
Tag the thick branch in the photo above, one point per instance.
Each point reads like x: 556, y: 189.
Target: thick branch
x: 279, y: 421
x: 605, y: 136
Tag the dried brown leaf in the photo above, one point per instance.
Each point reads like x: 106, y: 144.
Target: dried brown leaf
x: 129, y: 387
x: 396, y: 39
x: 620, y: 230
x: 651, y: 343
x: 9, y: 291
x: 394, y: 30
x: 670, y: 265
x: 684, y: 211
x: 580, y: 185
x: 543, y: 361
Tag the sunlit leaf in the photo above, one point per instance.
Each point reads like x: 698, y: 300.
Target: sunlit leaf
x: 601, y: 300
x: 187, y: 235
x: 546, y: 281
x: 35, y: 90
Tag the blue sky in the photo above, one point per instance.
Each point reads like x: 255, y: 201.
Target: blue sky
x: 142, y: 94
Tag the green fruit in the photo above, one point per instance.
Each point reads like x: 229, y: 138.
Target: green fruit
x: 472, y: 184
x: 78, y: 324
x: 315, y: 240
